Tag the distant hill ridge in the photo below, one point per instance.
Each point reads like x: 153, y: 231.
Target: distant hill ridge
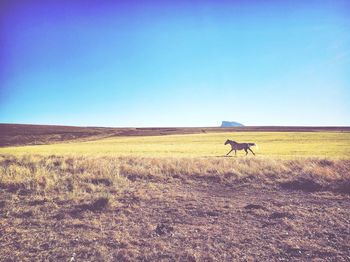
x: 21, y: 134
x: 230, y: 124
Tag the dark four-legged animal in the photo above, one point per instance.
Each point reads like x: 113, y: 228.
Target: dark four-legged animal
x: 239, y: 146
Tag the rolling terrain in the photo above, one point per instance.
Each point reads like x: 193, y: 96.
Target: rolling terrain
x: 156, y: 195
x: 20, y: 134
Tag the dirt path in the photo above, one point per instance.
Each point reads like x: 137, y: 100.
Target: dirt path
x: 198, y: 220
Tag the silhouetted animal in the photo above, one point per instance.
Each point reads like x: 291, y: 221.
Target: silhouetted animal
x: 239, y: 146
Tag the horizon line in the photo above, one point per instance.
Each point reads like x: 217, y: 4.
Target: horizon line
x: 251, y: 126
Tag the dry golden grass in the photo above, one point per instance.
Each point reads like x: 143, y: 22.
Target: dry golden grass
x: 88, y: 208
x: 90, y: 175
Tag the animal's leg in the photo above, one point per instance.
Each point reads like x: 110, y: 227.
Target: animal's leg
x: 229, y: 152
x: 251, y: 151
x: 246, y: 151
x: 235, y: 152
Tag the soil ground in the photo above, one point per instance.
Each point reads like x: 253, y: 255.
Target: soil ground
x: 199, y: 219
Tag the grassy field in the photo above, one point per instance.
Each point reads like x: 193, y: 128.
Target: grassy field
x: 175, y: 198
x: 270, y: 144
x: 88, y: 208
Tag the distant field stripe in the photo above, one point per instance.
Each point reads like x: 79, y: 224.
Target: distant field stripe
x: 270, y: 144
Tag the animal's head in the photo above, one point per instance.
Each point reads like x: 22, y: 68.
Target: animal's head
x: 227, y: 141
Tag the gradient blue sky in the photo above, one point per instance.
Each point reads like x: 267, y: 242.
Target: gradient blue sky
x: 175, y: 63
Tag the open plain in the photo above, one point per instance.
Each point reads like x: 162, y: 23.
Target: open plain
x: 174, y: 131
x: 177, y: 197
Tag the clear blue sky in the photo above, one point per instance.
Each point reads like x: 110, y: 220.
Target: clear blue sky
x: 175, y: 63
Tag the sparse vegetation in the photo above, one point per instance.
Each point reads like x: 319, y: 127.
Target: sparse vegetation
x: 143, y: 208
x: 176, y: 198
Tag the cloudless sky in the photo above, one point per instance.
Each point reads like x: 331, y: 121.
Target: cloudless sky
x: 175, y: 63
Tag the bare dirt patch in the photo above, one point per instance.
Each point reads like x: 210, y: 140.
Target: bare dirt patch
x: 196, y: 221
x: 173, y: 216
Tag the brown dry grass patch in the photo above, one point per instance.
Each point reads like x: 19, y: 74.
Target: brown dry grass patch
x: 89, y: 175
x: 173, y: 209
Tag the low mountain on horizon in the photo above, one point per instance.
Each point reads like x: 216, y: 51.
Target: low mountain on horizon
x: 230, y: 124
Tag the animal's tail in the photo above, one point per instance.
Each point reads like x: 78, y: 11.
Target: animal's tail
x: 253, y: 144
